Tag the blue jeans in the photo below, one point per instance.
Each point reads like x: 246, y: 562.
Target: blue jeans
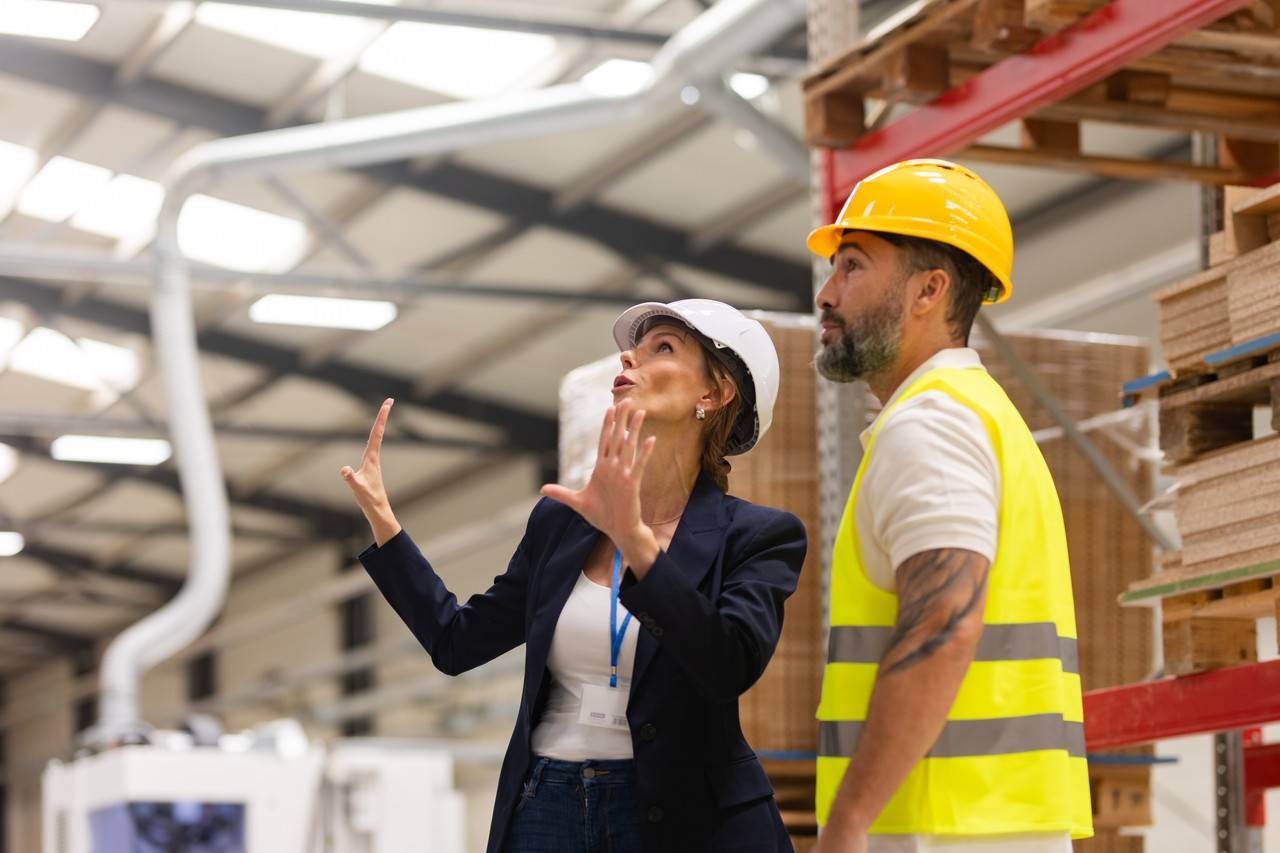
x: 576, y: 807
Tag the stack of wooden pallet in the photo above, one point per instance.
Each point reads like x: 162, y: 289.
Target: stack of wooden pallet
x: 1219, y: 407
x: 1206, y: 80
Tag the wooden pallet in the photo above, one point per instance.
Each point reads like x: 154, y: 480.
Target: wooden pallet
x: 1121, y: 795
x: 1209, y: 619
x: 1220, y: 80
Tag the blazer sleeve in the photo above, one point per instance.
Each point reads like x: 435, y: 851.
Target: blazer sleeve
x: 725, y: 645
x: 458, y: 637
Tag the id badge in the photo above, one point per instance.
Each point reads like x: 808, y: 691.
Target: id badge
x: 605, y: 707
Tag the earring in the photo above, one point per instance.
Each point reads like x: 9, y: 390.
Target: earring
x: 700, y: 413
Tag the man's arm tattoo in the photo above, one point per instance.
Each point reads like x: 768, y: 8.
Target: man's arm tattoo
x: 936, y: 591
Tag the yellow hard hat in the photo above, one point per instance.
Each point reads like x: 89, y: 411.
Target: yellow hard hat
x: 933, y: 199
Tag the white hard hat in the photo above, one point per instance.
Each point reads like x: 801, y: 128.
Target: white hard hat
x: 739, y: 341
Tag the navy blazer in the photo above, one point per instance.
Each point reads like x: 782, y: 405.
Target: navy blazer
x: 711, y: 607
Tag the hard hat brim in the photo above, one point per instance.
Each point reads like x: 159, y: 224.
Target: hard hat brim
x: 825, y: 242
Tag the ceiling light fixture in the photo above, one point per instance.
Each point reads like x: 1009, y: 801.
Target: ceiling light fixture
x: 110, y: 449
x: 232, y: 235
x: 323, y: 311
x: 461, y: 62
x: 618, y: 77
x: 11, y: 543
x: 48, y: 19
x: 61, y: 188
x: 749, y: 86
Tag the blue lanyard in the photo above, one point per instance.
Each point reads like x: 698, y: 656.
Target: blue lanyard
x: 615, y: 636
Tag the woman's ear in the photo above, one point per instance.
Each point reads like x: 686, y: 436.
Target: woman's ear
x: 721, y: 394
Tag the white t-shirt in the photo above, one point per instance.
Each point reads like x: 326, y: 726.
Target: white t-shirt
x: 933, y: 482
x: 580, y: 655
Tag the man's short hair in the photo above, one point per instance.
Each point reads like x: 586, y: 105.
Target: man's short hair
x: 970, y: 280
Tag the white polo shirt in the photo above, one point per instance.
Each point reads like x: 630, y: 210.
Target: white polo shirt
x: 933, y: 482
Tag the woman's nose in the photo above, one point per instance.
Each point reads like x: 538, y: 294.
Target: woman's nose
x: 628, y: 359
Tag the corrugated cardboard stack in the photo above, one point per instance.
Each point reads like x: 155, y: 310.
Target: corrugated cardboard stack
x: 1228, y: 471
x: 782, y: 471
x: 1237, y: 299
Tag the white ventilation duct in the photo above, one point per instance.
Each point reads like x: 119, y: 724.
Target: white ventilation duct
x: 699, y: 54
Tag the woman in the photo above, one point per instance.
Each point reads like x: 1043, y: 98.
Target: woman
x: 627, y: 738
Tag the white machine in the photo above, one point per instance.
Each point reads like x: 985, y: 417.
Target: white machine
x: 265, y: 791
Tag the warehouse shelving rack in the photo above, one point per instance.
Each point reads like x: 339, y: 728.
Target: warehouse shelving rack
x: 1208, y: 67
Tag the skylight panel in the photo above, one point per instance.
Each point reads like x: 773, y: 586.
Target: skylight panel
x: 11, y: 331
x: 461, y: 62
x: 322, y: 311
x: 60, y: 188
x: 618, y: 77
x: 110, y: 449
x: 47, y: 19
x: 11, y: 543
x: 232, y: 235
x: 8, y: 462
x: 308, y: 33
x: 51, y: 355
x: 17, y: 165
x: 749, y: 86
x: 124, y: 209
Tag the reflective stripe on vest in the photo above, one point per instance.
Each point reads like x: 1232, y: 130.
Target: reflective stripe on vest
x: 1010, y: 758
x: 963, y: 738
x: 1029, y: 641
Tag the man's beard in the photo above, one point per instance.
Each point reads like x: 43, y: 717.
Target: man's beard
x: 867, y: 346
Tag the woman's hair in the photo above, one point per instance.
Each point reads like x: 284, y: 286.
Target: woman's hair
x: 718, y: 429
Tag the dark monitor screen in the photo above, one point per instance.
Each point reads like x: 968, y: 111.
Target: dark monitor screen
x: 176, y: 827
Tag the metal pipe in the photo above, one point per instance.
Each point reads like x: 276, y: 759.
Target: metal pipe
x: 474, y: 20
x: 42, y: 262
x: 774, y: 139
x: 1073, y: 433
x: 701, y: 51
x: 30, y: 424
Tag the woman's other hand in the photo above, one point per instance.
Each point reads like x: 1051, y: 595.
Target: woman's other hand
x: 366, y: 483
x: 610, y: 502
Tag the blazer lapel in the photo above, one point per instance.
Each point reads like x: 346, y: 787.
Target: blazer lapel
x: 554, y: 584
x: 694, y: 549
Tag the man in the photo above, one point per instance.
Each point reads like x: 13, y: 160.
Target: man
x: 951, y: 715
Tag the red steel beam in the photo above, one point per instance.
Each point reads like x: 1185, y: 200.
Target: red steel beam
x: 1217, y: 701
x: 1055, y: 68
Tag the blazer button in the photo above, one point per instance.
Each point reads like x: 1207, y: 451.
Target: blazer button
x: 655, y: 814
x: 648, y: 732
x: 656, y: 631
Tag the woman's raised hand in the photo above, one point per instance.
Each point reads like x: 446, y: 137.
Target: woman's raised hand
x: 366, y: 483
x: 610, y: 502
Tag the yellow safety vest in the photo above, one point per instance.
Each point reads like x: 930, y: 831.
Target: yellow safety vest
x: 1011, y: 756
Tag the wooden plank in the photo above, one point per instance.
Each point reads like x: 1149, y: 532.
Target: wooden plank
x: 1250, y: 386
x: 865, y: 60
x: 1000, y: 25
x: 1112, y: 167
x: 1192, y: 579
x: 917, y: 72
x: 1191, y: 430
x: 833, y: 120
x: 1200, y: 644
x: 1261, y: 202
x: 1139, y: 87
x: 1043, y: 134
